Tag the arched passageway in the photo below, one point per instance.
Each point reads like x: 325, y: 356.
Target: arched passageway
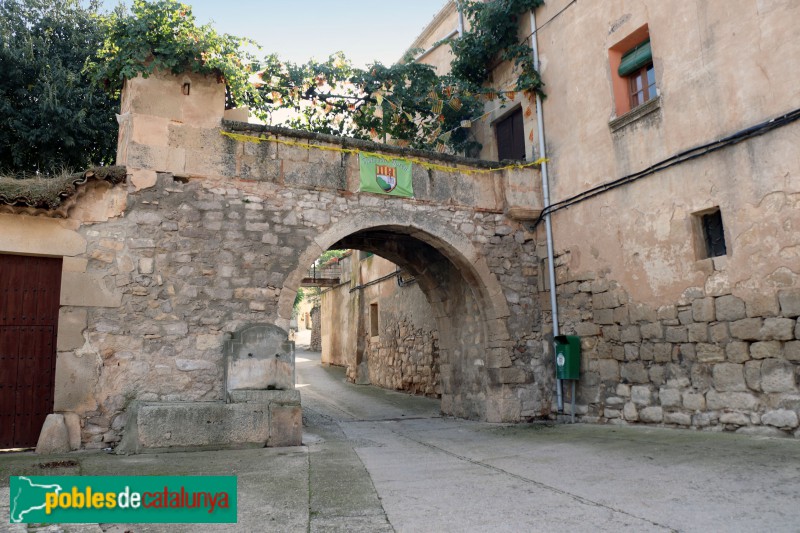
x: 457, y: 286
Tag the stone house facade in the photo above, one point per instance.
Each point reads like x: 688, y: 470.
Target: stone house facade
x: 212, y: 232
x: 378, y: 324
x: 673, y: 172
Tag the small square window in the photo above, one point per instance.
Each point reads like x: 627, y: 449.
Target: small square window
x: 710, y: 234
x: 714, y: 234
x: 373, y: 320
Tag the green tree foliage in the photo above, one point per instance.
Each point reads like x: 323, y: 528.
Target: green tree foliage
x: 164, y: 36
x: 492, y: 36
x: 51, y: 116
x: 297, y: 299
x: 407, y: 102
x: 328, y: 255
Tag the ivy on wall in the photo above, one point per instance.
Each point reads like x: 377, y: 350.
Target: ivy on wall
x: 163, y: 36
x: 492, y: 35
x: 407, y: 102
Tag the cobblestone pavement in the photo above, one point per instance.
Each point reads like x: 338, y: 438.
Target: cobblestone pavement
x: 376, y: 460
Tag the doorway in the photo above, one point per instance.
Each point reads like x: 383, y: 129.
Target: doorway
x: 30, y: 289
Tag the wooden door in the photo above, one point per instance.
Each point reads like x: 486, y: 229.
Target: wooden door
x: 511, y: 137
x: 30, y: 289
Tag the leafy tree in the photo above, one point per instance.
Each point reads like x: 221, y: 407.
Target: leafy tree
x: 493, y: 34
x: 408, y: 101
x: 328, y: 255
x: 51, y: 116
x: 297, y: 299
x: 164, y: 36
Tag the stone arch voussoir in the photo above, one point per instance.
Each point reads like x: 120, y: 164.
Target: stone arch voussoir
x: 434, y: 231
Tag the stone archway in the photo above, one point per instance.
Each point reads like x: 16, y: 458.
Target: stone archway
x: 466, y: 298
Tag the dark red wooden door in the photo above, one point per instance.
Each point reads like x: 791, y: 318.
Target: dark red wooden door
x: 30, y: 289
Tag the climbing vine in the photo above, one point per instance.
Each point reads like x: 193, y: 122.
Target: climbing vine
x: 407, y: 103
x: 492, y: 35
x: 163, y: 36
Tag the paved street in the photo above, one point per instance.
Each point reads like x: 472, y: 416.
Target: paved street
x: 376, y: 460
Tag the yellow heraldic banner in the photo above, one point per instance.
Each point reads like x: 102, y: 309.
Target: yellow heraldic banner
x: 385, y: 176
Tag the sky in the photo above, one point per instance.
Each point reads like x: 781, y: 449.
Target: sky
x: 365, y: 30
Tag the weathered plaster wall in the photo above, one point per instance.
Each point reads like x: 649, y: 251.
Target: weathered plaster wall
x: 670, y: 336
x: 340, y: 313
x: 443, y: 25
x: 404, y: 355
x: 82, y: 289
x: 642, y: 234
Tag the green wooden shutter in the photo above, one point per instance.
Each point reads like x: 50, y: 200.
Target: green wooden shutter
x: 635, y: 59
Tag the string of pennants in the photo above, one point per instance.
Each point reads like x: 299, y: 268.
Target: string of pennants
x: 341, y: 149
x: 450, y: 98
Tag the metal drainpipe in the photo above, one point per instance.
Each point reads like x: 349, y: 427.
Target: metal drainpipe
x: 460, y: 19
x: 546, y: 199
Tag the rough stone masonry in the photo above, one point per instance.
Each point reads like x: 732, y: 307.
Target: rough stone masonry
x: 213, y: 233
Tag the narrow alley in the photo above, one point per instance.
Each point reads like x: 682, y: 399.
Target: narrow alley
x: 375, y: 460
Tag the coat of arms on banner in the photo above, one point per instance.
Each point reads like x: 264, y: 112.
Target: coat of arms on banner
x: 386, y: 177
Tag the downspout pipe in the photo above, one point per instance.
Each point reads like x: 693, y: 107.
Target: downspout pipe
x: 546, y: 199
x: 460, y: 19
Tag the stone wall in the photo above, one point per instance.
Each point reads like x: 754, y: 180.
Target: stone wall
x: 403, y: 354
x: 315, y: 344
x: 211, y: 233
x: 405, y: 358
x: 709, y: 360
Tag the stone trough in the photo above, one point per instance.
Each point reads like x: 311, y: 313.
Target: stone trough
x: 261, y: 406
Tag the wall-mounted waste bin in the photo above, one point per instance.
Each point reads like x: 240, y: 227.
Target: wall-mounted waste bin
x: 568, y: 356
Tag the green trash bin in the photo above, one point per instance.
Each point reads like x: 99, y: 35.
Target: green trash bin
x: 568, y: 356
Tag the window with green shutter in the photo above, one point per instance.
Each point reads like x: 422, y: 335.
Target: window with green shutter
x: 633, y: 60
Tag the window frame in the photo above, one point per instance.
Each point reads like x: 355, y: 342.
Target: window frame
x: 645, y: 90
x: 623, y: 110
x: 374, y: 320
x: 704, y: 243
x: 517, y: 139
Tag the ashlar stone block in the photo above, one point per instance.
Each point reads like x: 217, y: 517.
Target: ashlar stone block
x: 791, y: 351
x: 777, y: 376
x: 641, y: 395
x: 703, y: 310
x: 780, y: 418
x: 669, y: 397
x: 54, y: 437
x: 652, y: 415
x: 737, y: 352
x: 790, y: 302
x: 730, y: 308
x: 747, y: 329
x: 742, y: 401
x: 752, y: 375
x: 781, y: 329
x: 765, y: 349
x: 634, y: 373
x: 729, y: 377
x: 694, y: 401
x: 679, y: 419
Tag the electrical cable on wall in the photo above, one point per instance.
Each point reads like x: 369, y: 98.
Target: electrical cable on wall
x: 682, y: 157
